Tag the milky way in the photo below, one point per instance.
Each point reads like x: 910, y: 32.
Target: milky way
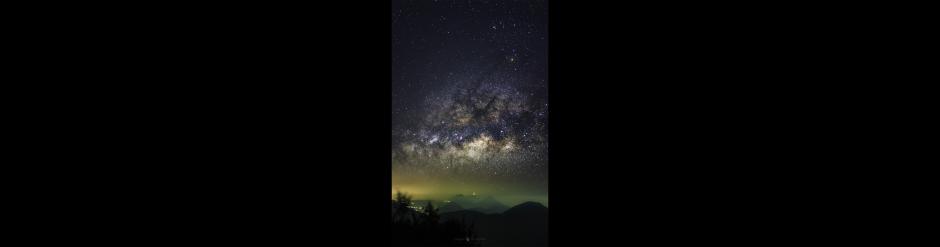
x: 470, y: 104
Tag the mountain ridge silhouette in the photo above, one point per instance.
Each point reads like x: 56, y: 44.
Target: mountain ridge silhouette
x: 525, y: 224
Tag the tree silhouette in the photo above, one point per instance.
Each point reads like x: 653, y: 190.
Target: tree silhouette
x: 430, y: 215
x: 402, y: 209
x: 411, y: 228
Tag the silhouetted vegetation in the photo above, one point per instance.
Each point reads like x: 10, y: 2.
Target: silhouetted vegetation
x: 411, y: 227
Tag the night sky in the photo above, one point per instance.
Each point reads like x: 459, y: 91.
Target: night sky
x: 470, y: 104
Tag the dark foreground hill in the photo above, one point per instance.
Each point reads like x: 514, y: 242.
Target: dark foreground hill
x: 525, y: 224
